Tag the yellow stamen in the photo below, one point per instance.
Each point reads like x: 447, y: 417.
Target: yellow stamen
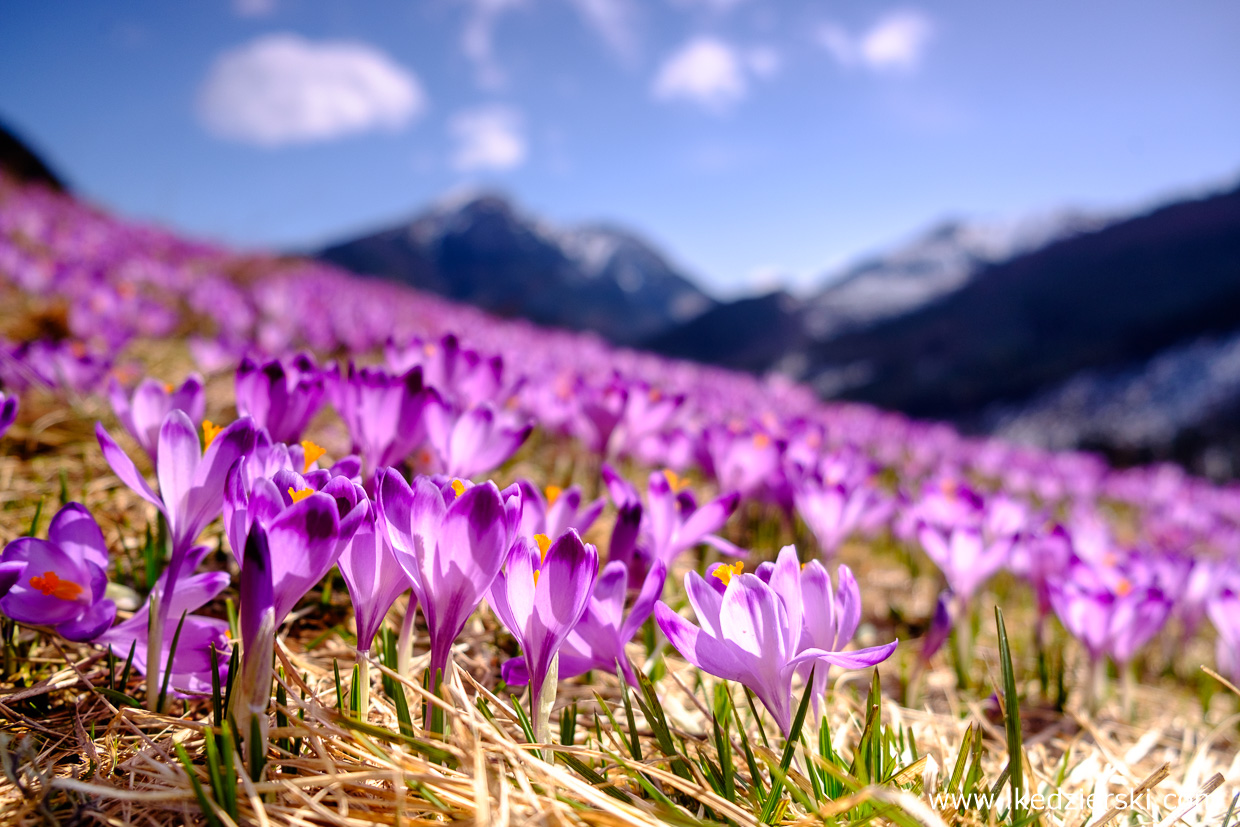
x: 726, y: 572
x: 544, y: 543
x: 536, y: 573
x: 209, y: 432
x: 674, y: 481
x: 429, y: 348
x: 458, y: 487
x: 313, y: 452
x: 553, y: 493
x: 53, y: 586
x: 1123, y: 588
x: 761, y: 440
x: 655, y: 394
x: 169, y: 387
x: 298, y: 496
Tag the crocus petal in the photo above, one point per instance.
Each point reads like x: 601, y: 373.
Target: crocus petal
x: 304, y: 545
x: 124, y: 468
x: 645, y: 602
x: 9, y: 573
x: 92, y: 623
x: 701, y: 649
x: 75, y: 530
x: 856, y: 659
x: 179, y: 455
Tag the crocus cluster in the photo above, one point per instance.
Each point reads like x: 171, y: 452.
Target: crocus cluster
x: 1116, y: 555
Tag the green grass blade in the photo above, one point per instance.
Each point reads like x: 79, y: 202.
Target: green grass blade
x: 1011, y: 712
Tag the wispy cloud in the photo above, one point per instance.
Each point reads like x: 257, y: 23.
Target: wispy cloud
x: 254, y: 8
x: 897, y: 42
x: 764, y: 61
x: 614, y: 21
x: 706, y: 71
x: 284, y: 89
x: 490, y: 137
x: 478, y: 40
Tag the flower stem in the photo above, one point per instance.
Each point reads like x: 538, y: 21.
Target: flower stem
x: 363, y: 685
x: 154, y: 650
x: 404, y: 643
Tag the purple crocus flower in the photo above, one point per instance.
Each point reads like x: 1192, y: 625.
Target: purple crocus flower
x: 540, y: 598
x: 143, y: 413
x: 383, y: 411
x: 670, y: 523
x: 191, y: 480
x: 1224, y: 613
x: 60, y: 582
x: 834, y: 509
x: 966, y: 558
x: 192, y: 665
x: 191, y: 495
x: 601, y: 410
x: 257, y: 624
x: 1113, y: 609
x: 307, y: 522
x: 762, y: 635
x: 8, y: 412
x: 472, y: 442
x: 452, y: 542
x: 463, y: 376
x: 374, y: 578
x: 600, y: 637
x: 556, y: 512
x: 280, y: 396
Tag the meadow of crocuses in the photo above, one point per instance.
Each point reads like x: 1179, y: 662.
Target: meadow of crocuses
x: 521, y: 514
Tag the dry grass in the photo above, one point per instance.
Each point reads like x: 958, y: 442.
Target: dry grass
x: 71, y: 755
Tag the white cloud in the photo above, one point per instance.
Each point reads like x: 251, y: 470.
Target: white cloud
x: 897, y: 42
x: 283, y: 89
x: 489, y: 137
x: 706, y: 71
x: 478, y: 40
x: 764, y: 61
x: 254, y: 8
x: 712, y: 5
x: 613, y: 21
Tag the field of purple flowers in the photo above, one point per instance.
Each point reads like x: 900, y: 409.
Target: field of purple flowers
x: 287, y: 546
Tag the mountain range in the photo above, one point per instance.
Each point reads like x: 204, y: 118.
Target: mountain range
x: 1119, y: 333
x: 482, y: 250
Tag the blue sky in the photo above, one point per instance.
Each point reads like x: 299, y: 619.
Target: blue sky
x: 753, y: 141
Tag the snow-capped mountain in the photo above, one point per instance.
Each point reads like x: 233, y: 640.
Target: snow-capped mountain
x: 479, y: 248
x: 930, y: 267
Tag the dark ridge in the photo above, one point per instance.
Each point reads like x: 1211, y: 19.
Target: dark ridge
x: 19, y: 160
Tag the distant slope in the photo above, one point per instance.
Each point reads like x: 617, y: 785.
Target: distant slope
x: 19, y: 160
x: 748, y: 334
x: 481, y: 250
x: 930, y: 266
x: 1118, y: 295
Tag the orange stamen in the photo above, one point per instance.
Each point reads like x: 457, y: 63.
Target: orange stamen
x: 761, y: 441
x: 674, y: 481
x: 458, y: 487
x: 313, y: 452
x: 544, y: 543
x: 553, y: 493
x: 298, y: 496
x: 53, y: 586
x: 1123, y: 588
x: 209, y: 432
x: 726, y: 572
